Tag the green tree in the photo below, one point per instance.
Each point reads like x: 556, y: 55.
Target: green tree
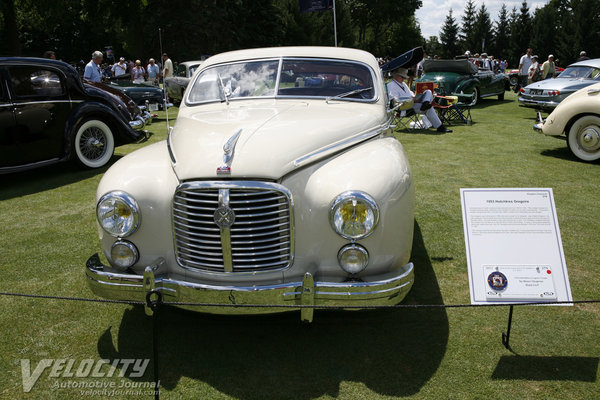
x: 449, y: 38
x: 467, y: 31
x: 521, y: 32
x: 482, y: 28
x: 501, y: 34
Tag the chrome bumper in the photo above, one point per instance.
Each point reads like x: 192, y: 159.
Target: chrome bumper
x: 145, y: 118
x: 543, y: 105
x: 231, y: 299
x: 540, y: 123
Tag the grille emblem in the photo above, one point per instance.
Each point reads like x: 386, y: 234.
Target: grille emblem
x: 224, y: 217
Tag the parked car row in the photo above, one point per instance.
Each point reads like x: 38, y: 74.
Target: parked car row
x: 48, y: 115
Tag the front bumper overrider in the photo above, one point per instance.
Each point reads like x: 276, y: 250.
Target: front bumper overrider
x: 388, y: 290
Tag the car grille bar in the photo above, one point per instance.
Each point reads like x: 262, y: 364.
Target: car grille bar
x: 231, y: 226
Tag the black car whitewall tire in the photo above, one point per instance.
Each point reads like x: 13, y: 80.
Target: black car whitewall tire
x: 583, y: 138
x: 93, y: 143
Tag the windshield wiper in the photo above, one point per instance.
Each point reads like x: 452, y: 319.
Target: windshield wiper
x: 350, y: 93
x: 223, y: 89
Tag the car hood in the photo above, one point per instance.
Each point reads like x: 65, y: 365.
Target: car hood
x: 276, y: 136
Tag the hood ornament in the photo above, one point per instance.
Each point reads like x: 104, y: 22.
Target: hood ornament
x: 228, y: 151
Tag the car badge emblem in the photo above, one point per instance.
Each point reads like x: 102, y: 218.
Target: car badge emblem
x: 224, y: 217
x: 228, y: 152
x: 497, y: 280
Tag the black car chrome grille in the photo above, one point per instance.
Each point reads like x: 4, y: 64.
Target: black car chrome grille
x: 225, y: 227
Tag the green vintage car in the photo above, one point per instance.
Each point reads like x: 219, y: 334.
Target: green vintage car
x: 462, y: 77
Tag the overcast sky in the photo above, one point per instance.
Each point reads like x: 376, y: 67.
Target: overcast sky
x: 433, y: 13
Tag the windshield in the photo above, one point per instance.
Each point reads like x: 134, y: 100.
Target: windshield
x: 580, y: 72
x: 298, y: 78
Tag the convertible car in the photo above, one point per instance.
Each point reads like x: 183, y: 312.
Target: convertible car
x: 547, y: 94
x: 281, y: 185
x: 462, y: 77
x: 48, y: 115
x: 577, y: 117
x: 177, y: 84
x: 143, y: 94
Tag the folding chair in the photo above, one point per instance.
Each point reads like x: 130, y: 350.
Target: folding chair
x: 407, y: 118
x: 455, y: 108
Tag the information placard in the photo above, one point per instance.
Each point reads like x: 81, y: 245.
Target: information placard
x: 514, y: 249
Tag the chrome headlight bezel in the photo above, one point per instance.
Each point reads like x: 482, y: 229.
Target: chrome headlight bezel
x: 350, y: 196
x: 124, y: 199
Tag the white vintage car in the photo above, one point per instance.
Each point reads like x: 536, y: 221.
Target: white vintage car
x: 280, y: 184
x: 578, y: 117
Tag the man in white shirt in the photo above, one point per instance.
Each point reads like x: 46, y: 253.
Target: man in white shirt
x: 119, y: 68
x: 167, y: 66
x: 524, y: 64
x: 400, y: 91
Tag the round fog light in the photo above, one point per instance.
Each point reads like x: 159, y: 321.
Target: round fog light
x: 353, y: 258
x: 123, y: 254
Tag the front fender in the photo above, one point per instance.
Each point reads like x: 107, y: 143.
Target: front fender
x: 379, y: 168
x: 147, y: 175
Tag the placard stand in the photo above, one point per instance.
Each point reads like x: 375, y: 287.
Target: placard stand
x: 506, y: 335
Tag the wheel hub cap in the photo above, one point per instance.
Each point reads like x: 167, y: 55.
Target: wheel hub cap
x: 590, y: 138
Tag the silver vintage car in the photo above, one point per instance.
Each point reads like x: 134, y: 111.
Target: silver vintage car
x: 546, y: 94
x: 279, y: 185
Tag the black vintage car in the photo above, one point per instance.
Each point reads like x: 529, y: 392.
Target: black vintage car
x: 48, y: 115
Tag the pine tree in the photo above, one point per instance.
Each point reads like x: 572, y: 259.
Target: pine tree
x: 467, y: 35
x: 449, y: 37
x: 500, y: 46
x: 483, y: 28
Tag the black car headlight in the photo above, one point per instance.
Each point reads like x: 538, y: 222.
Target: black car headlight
x: 118, y: 214
x: 353, y: 215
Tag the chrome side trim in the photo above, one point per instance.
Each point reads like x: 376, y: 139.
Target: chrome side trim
x: 361, y: 137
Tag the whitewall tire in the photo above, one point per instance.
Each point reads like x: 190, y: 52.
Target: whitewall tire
x: 94, y: 143
x: 583, y: 138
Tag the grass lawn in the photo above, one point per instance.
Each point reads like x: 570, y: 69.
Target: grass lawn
x: 48, y: 230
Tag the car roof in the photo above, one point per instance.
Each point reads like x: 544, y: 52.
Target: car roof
x: 595, y: 62
x: 191, y: 62
x: 341, y: 53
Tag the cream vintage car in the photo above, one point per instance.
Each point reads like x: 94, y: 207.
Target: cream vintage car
x: 578, y: 117
x: 279, y: 185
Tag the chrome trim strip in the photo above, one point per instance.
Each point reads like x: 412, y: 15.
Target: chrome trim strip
x: 226, y: 230
x: 361, y: 137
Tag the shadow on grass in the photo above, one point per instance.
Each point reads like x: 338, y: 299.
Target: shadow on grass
x: 564, y: 153
x: 393, y: 352
x: 539, y: 368
x: 46, y: 178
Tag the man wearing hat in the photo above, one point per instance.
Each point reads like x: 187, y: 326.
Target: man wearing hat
x: 119, y: 68
x: 400, y: 91
x: 548, y: 68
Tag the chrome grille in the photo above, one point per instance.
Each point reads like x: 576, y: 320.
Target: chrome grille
x: 260, y: 237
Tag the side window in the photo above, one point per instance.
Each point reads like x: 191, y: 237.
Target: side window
x: 180, y: 71
x: 35, y: 81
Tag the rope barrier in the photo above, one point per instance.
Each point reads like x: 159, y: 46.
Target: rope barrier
x: 156, y: 303
x: 293, y: 306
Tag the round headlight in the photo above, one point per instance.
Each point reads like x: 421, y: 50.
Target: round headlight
x: 354, y: 215
x: 353, y: 258
x: 123, y: 254
x: 118, y: 214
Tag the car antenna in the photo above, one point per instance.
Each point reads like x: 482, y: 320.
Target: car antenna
x: 164, y: 85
